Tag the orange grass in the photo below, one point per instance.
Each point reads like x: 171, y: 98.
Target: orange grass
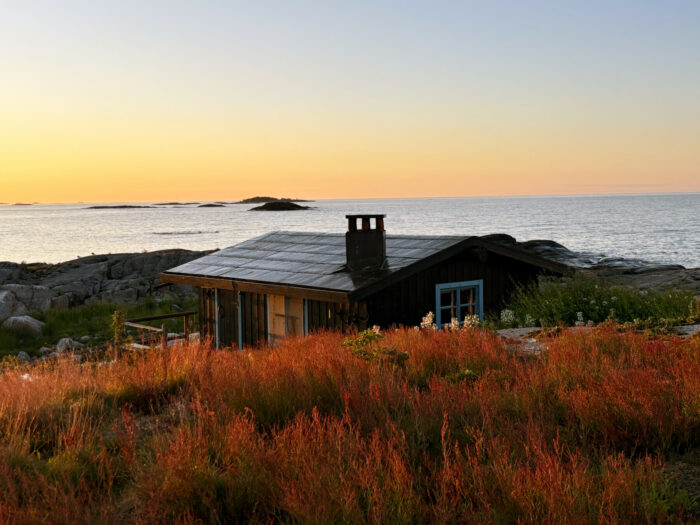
x: 309, y: 433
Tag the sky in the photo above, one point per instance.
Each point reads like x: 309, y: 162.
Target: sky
x: 106, y: 101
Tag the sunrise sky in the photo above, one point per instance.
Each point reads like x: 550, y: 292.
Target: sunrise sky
x: 145, y: 100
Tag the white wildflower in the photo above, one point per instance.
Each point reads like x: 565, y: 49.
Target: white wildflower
x: 529, y: 320
x: 428, y: 321
x: 454, y: 325
x: 507, y: 316
x: 579, y: 319
x: 376, y: 329
x: 613, y: 299
x: 471, y: 321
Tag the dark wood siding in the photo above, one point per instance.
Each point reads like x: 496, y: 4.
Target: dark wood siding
x: 407, y: 301
x: 228, y: 318
x: 324, y: 315
x: 253, y: 318
x: 207, y: 314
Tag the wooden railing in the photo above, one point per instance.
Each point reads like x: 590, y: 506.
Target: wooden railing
x: 161, y: 333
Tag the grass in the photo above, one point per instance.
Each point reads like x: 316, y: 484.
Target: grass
x: 91, y: 319
x: 316, y: 431
x: 583, y: 299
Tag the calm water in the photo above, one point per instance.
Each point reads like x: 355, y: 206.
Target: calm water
x: 661, y: 228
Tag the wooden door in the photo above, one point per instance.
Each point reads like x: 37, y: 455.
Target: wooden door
x: 294, y: 315
x: 276, y: 327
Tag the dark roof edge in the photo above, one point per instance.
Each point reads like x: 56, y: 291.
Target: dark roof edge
x: 323, y: 294
x: 469, y: 242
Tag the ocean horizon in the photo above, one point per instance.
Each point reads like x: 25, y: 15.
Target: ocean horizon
x: 659, y: 228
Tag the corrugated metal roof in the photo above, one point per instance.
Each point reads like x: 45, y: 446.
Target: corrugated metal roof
x: 314, y: 260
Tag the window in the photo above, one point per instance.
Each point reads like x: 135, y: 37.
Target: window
x: 458, y: 300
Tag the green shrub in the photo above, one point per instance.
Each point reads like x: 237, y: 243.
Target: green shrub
x: 581, y: 299
x: 89, y: 319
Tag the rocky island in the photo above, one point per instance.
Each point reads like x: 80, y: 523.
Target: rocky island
x: 263, y: 200
x: 280, y: 206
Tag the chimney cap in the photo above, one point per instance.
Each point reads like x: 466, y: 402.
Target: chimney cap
x: 366, y: 215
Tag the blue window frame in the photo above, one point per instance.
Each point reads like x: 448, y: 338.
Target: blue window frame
x: 458, y: 300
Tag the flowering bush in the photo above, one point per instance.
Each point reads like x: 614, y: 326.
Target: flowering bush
x: 507, y: 317
x: 428, y: 321
x: 472, y: 321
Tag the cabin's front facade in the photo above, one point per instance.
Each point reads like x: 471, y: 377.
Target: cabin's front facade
x: 292, y: 283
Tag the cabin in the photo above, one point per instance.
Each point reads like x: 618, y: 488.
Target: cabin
x: 292, y: 283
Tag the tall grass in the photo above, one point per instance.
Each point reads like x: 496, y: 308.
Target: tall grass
x: 308, y: 432
x: 583, y: 298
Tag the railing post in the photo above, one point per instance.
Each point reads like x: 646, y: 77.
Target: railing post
x: 164, y: 341
x: 187, y: 328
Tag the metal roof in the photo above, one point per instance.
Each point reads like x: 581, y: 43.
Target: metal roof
x: 313, y: 260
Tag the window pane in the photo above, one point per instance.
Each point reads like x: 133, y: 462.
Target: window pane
x: 467, y: 295
x: 448, y: 313
x: 448, y: 298
x: 469, y: 310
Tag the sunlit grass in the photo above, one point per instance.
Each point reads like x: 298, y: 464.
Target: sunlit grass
x: 309, y: 432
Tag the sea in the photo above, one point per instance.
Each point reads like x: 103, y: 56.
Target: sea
x: 662, y: 228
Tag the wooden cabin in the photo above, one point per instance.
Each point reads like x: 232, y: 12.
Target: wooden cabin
x: 285, y: 283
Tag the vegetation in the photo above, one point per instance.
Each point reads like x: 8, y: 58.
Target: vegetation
x: 90, y: 319
x: 582, y: 299
x: 312, y: 431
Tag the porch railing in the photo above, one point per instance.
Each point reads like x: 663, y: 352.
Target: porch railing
x: 161, y: 333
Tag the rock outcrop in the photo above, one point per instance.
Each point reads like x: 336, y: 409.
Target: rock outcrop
x: 118, y: 278
x: 617, y: 270
x: 24, y: 324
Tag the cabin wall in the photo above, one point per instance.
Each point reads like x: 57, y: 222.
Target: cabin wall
x: 323, y: 315
x: 253, y: 318
x: 207, y: 314
x: 407, y: 301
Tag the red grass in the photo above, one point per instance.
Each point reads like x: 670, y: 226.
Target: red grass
x: 307, y: 432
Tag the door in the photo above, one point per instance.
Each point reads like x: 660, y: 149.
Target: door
x: 286, y: 317
x: 276, y: 321
x: 294, y: 315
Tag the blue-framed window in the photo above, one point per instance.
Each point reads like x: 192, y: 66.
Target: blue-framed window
x: 458, y: 300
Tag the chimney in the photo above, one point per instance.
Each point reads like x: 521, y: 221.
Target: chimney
x: 365, y: 248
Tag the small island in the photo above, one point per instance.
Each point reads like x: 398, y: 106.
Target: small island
x: 280, y: 206
x: 211, y: 205
x: 263, y: 200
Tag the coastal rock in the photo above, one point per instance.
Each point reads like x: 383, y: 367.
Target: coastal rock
x: 66, y: 344
x: 45, y: 350
x: 24, y: 324
x: 35, y: 298
x: 10, y: 306
x: 121, y: 278
x: 61, y: 302
x: 24, y: 357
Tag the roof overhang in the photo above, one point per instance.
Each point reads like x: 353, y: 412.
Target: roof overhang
x: 316, y: 294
